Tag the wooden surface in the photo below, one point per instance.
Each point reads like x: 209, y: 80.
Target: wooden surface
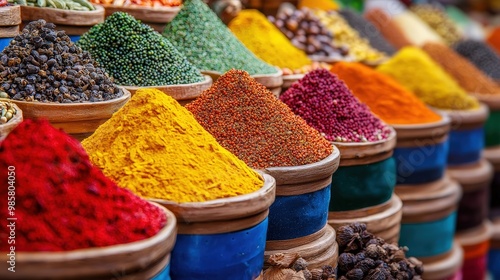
x: 492, y: 154
x: 445, y: 268
x: 321, y: 251
x: 385, y: 224
x: 472, y: 176
x: 288, y: 80
x: 292, y: 175
x: 145, y: 14
x: 213, y: 74
x: 63, y: 17
x: 303, y: 188
x: 10, y: 15
x: 150, y: 272
x: 475, y: 236
x: 429, y: 202
x: 95, y: 263
x: 467, y: 119
x: 366, y: 152
x: 491, y: 100
x: 9, y: 31
x: 360, y: 213
x: 224, y: 209
x: 179, y: 92
x: 6, y: 128
x: 423, y: 134
x: 277, y: 245
x: 74, y: 118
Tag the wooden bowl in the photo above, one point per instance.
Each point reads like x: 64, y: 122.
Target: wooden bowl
x: 273, y: 82
x: 467, y: 119
x: 288, y: 80
x: 92, y: 263
x: 414, y: 135
x: 79, y: 120
x: 182, y: 93
x: 10, y: 15
x: 156, y: 17
x: 6, y: 128
x: 445, y: 268
x: 492, y: 100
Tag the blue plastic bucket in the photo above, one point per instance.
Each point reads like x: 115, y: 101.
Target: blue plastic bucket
x: 302, y: 198
x: 429, y: 217
x: 4, y: 42
x: 421, y: 152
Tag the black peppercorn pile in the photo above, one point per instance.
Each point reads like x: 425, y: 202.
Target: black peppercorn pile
x: 364, y: 256
x: 42, y: 64
x: 481, y: 55
x: 136, y: 55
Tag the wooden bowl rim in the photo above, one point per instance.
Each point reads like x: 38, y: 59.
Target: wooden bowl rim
x: 446, y: 267
x: 492, y: 100
x: 256, y: 76
x: 476, y: 235
x: 478, y: 115
x: 444, y: 121
x: 175, y: 9
x: 166, y: 233
x: 395, y: 206
x: 391, y: 140
x: 208, y: 80
x: 98, y: 10
x: 293, y: 77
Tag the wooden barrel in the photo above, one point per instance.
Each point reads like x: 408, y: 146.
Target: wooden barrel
x: 494, y: 253
x: 10, y: 19
x: 366, y: 176
x: 288, y: 80
x: 466, y: 135
x: 382, y: 220
x: 79, y: 120
x: 476, y: 244
x: 447, y: 268
x: 156, y: 17
x: 429, y: 215
x: 475, y: 180
x: 75, y: 23
x: 137, y: 260
x: 421, y: 151
x: 492, y: 154
x: 6, y: 128
x: 318, y: 249
x: 184, y: 94
x: 491, y: 127
x: 222, y: 238
x: 302, y: 198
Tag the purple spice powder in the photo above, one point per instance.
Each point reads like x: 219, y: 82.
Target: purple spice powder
x: 327, y: 104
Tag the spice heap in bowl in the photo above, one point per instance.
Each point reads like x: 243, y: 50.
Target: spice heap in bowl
x: 140, y: 3
x: 7, y: 110
x: 74, y: 5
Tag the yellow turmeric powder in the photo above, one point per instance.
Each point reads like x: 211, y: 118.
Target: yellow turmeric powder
x: 266, y: 41
x: 415, y: 70
x: 156, y: 148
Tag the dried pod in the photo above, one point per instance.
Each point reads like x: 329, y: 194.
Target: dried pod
x: 398, y: 255
x: 360, y: 256
x: 282, y: 260
x: 355, y: 274
x: 276, y: 273
x: 328, y: 272
x: 346, y: 262
x: 375, y: 252
x: 376, y: 274
x: 358, y: 227
x: 307, y: 274
x: 299, y: 264
x: 345, y: 235
x: 365, y: 265
x: 316, y: 274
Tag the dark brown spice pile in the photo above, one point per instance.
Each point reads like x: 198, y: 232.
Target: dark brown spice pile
x: 292, y: 266
x: 365, y: 256
x: 254, y: 125
x: 42, y: 64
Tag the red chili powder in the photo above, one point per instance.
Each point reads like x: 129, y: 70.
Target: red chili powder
x: 326, y: 103
x: 248, y: 120
x: 63, y: 202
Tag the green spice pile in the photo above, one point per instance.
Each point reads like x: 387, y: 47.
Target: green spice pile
x: 198, y: 33
x: 250, y: 122
x: 42, y: 64
x: 438, y: 20
x: 75, y: 5
x: 136, y: 55
x: 7, y: 111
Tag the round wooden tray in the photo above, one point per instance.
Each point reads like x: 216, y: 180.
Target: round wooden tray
x: 77, y: 119
x: 288, y: 80
x: 63, y: 17
x: 94, y: 263
x: 6, y: 128
x: 179, y: 92
x: 492, y: 100
x: 420, y: 134
x: 445, y: 268
x: 475, y: 236
x: 467, y: 119
x: 366, y: 152
x: 225, y: 208
x: 492, y: 154
x: 145, y: 14
x: 472, y: 176
x: 10, y: 15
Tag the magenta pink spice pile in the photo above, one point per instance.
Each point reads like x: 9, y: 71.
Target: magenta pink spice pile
x: 327, y: 104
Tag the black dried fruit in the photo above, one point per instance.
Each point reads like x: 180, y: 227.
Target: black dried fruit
x: 355, y: 274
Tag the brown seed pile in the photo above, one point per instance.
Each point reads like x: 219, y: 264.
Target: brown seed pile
x: 292, y: 266
x: 42, y: 64
x: 253, y: 124
x: 365, y: 256
x: 438, y: 20
x: 465, y: 73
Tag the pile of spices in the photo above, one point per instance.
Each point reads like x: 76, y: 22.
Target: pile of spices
x: 136, y: 55
x: 493, y: 39
x: 292, y: 266
x: 156, y: 148
x: 416, y: 30
x: 439, y: 21
x: 465, y: 73
x: 199, y: 34
x: 367, y: 30
x: 307, y: 33
x: 74, y: 5
x: 430, y: 83
x: 266, y: 41
x: 388, y: 28
x: 42, y: 64
x: 365, y: 256
x: 324, y: 5
x: 63, y: 202
x: 481, y: 55
x: 326, y: 104
x: 7, y: 110
x: 143, y: 3
x: 344, y: 35
x: 254, y: 125
x: 386, y: 98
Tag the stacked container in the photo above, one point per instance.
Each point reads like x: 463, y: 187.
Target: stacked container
x: 10, y: 19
